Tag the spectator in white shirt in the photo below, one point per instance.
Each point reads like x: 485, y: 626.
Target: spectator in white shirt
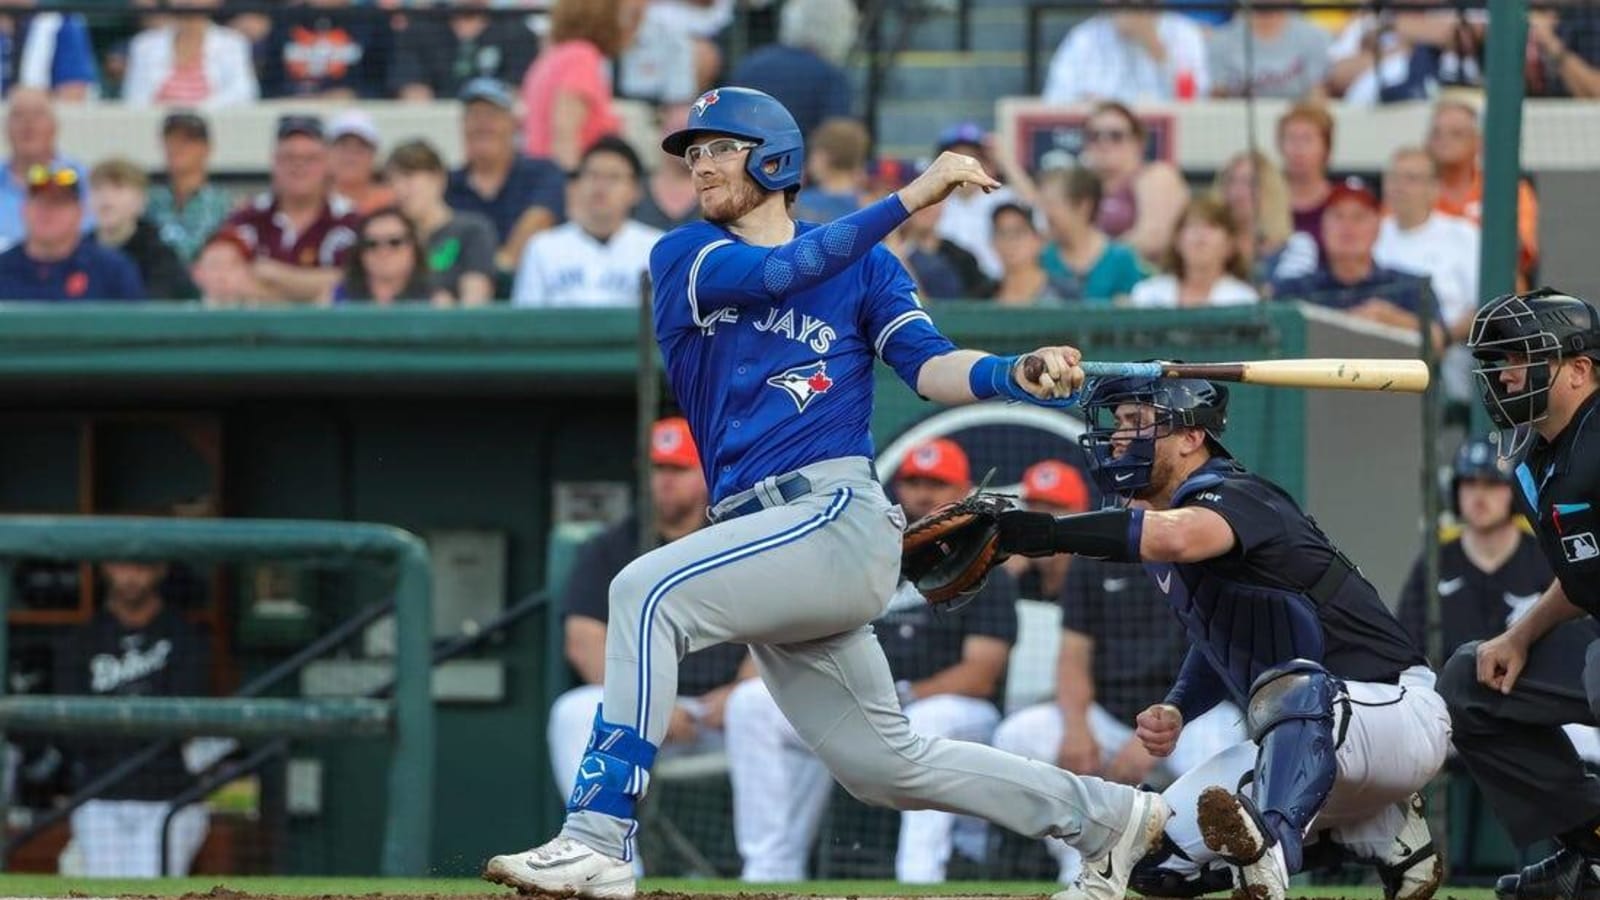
x: 966, y: 217
x: 1130, y: 56
x: 1206, y: 265
x: 598, y: 257
x: 1416, y: 238
x: 190, y: 61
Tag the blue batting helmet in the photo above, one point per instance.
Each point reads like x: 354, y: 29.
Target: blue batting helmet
x: 1477, y: 460
x: 1178, y: 403
x: 753, y: 116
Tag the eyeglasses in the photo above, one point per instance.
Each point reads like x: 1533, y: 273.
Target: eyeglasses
x: 1114, y: 136
x: 718, y: 150
x: 45, y: 176
x: 392, y: 243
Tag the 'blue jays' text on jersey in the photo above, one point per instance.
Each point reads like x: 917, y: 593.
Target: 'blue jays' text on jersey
x: 773, y: 369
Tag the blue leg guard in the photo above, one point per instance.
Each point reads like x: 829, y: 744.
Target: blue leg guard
x: 614, y: 772
x: 1291, y: 718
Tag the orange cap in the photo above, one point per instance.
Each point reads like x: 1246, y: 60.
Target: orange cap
x: 940, y: 459
x: 1056, y: 483
x: 671, y: 444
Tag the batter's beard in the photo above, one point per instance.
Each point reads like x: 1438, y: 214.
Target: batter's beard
x: 745, y: 196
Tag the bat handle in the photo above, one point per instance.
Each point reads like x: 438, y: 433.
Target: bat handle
x: 1122, y: 369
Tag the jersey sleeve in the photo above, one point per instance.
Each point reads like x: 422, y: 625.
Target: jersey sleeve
x: 899, y: 329
x: 712, y: 270
x: 1255, y: 519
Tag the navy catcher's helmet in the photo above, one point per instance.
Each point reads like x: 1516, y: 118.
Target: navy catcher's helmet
x: 754, y: 116
x: 1526, y: 332
x: 1178, y: 403
x: 1477, y: 460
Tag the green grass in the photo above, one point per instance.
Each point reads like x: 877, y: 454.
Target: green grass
x: 55, y: 886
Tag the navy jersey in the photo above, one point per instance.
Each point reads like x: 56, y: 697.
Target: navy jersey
x: 921, y: 640
x: 769, y: 356
x: 1245, y: 609
x: 1138, y: 647
x: 1559, y: 489
x: 1474, y: 605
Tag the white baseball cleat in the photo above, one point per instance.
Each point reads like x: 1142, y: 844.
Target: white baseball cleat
x: 562, y: 868
x: 1411, y: 868
x: 1231, y: 830
x: 1106, y: 877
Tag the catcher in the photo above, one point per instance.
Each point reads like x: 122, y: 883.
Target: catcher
x: 1344, y: 724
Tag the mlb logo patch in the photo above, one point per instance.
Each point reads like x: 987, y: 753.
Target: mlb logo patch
x: 1580, y: 547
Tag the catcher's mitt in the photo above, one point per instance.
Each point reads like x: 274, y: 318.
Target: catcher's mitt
x: 947, y: 554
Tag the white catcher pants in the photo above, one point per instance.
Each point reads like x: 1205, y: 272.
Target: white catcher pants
x: 1037, y: 731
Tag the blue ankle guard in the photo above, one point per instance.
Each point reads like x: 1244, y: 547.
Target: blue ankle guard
x: 614, y: 772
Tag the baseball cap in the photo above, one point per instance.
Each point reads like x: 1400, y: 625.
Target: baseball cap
x: 357, y: 124
x: 940, y: 459
x: 488, y: 90
x: 188, y: 123
x: 671, y: 444
x: 53, y: 180
x: 297, y: 123
x: 1057, y: 483
x: 961, y: 133
x: 1354, y: 189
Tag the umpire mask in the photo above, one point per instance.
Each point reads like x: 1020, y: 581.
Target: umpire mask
x: 1527, y: 334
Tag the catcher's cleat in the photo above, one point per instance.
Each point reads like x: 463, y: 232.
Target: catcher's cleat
x: 1568, y: 875
x: 562, y: 868
x: 1232, y: 829
x: 1106, y: 877
x: 1411, y: 869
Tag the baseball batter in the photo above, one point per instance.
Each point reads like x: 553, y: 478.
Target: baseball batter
x: 769, y: 329
x: 1344, y: 724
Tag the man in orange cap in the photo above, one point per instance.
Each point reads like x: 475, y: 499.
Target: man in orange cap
x: 678, y: 493
x: 1057, y: 488
x: 948, y: 670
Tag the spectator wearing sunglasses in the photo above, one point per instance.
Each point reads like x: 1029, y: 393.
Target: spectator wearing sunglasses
x: 1142, y: 198
x: 459, y: 245
x: 388, y: 266
x: 55, y: 261
x: 31, y: 130
x: 298, y: 230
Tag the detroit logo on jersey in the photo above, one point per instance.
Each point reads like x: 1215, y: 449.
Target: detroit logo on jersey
x: 803, y: 383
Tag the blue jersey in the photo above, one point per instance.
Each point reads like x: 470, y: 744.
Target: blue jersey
x: 770, y: 349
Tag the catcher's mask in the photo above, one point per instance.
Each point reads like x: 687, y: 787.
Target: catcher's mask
x: 1527, y: 333
x: 1120, y: 459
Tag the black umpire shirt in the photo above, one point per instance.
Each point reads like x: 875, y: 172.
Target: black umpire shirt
x: 1474, y: 605
x: 921, y: 641
x: 1138, y: 645
x: 1279, y: 546
x: 166, y: 658
x: 588, y: 593
x: 1559, y: 488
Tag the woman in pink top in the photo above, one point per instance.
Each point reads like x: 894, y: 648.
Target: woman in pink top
x: 567, y: 91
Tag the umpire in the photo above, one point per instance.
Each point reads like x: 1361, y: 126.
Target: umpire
x: 1539, y: 370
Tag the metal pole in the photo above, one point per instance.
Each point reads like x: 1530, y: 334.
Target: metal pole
x: 408, y: 829
x: 648, y: 406
x: 1433, y: 629
x: 1502, y: 156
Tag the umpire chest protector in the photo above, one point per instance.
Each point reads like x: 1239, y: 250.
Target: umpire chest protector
x: 1243, y: 628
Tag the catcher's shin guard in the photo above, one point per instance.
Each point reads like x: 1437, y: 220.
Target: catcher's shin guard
x: 1291, y: 718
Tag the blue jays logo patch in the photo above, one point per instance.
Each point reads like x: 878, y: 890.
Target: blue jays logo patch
x: 803, y: 383
x: 709, y: 98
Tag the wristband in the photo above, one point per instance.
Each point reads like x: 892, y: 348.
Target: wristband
x: 991, y: 376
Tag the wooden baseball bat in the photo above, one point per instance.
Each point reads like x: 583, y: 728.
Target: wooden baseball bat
x: 1392, y: 375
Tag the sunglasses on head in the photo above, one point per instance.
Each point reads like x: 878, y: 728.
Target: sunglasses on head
x: 45, y: 176
x: 393, y: 243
